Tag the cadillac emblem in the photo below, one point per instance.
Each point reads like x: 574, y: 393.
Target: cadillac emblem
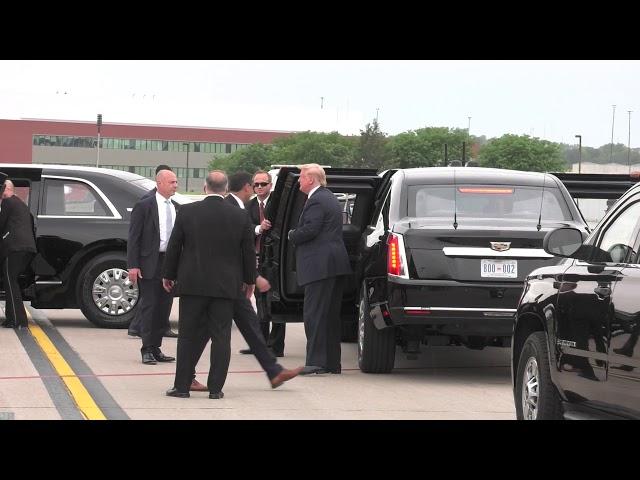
x: 500, y: 246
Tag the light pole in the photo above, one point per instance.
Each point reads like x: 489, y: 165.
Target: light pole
x: 629, y: 144
x: 98, y: 144
x: 469, y: 138
x: 187, y: 182
x: 579, y: 137
x: 613, y: 122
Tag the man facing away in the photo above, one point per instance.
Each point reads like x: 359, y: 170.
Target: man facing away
x: 134, y: 327
x: 152, y: 221
x: 17, y: 249
x: 322, y: 262
x: 211, y: 255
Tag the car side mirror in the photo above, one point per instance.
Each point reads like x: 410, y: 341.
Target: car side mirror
x: 563, y: 242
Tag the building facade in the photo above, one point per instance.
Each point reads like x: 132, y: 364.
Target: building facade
x: 135, y: 148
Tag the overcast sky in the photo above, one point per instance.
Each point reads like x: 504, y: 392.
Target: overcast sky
x: 554, y: 100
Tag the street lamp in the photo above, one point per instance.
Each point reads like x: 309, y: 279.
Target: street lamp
x: 629, y: 144
x: 579, y: 137
x: 613, y: 122
x: 98, y: 145
x: 187, y: 182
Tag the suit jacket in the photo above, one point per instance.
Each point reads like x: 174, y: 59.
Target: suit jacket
x: 16, y: 227
x: 320, y: 250
x: 143, y: 246
x: 211, y: 251
x: 150, y: 193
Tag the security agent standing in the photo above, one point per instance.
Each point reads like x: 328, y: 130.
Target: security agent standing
x: 322, y: 261
x: 152, y: 221
x: 134, y: 326
x: 17, y: 249
x: 258, y: 210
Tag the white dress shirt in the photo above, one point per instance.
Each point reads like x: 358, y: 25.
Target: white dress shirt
x: 240, y: 202
x: 162, y: 218
x: 265, y: 201
x: 313, y: 190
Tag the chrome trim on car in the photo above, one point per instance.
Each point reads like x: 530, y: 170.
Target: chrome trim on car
x: 487, y: 252
x: 458, y: 309
x: 48, y: 282
x: 115, y: 215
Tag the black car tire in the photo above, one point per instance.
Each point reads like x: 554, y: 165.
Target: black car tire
x: 376, y: 348
x: 548, y: 404
x: 84, y: 291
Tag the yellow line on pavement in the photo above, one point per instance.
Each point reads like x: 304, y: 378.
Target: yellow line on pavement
x: 78, y: 392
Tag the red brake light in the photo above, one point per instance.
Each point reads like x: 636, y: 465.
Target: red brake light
x: 486, y: 190
x: 395, y: 264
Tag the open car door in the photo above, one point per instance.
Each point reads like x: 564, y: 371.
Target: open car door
x: 357, y: 190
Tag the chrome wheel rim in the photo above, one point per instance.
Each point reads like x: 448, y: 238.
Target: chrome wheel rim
x: 113, y: 292
x: 360, y: 328
x: 530, y: 389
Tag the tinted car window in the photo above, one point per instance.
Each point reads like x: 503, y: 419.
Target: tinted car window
x: 473, y: 201
x: 619, y: 235
x: 71, y: 198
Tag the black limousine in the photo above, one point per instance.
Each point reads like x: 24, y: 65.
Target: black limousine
x: 439, y: 254
x: 82, y: 221
x: 574, y: 346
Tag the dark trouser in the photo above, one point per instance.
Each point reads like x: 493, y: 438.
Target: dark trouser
x: 321, y: 314
x: 275, y: 339
x: 154, y: 309
x: 247, y: 323
x: 201, y: 319
x: 13, y: 265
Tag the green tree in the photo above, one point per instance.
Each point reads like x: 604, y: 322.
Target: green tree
x: 371, y: 152
x: 249, y: 159
x: 425, y: 147
x: 312, y: 147
x: 522, y: 152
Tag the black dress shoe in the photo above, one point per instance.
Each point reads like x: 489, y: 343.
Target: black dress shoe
x: 216, y: 395
x: 246, y: 351
x: 276, y: 354
x: 336, y: 371
x: 170, y: 334
x: 161, y: 357
x: 312, y: 370
x: 174, y: 392
x: 8, y: 324
x: 148, y: 358
x: 133, y: 333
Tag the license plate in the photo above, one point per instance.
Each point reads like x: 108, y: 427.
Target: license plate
x: 499, y: 268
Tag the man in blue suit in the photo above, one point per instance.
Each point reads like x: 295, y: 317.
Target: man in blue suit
x: 322, y: 262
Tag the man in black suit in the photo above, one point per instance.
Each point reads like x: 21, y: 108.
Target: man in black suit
x: 17, y: 249
x: 211, y: 254
x: 321, y: 261
x: 134, y: 327
x: 257, y: 209
x: 152, y: 221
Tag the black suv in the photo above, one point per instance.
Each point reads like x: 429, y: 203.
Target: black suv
x: 439, y: 254
x: 82, y: 222
x: 574, y: 351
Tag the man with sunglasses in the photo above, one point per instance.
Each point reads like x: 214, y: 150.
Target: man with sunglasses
x: 258, y: 209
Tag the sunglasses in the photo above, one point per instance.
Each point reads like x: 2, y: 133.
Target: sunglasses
x: 260, y: 184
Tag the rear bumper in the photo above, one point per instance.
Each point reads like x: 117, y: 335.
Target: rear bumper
x: 452, y: 307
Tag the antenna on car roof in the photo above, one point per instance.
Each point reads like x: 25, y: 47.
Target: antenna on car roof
x: 455, y: 201
x: 539, y: 226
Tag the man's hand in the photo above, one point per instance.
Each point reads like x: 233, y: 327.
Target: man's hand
x: 168, y: 284
x: 262, y: 284
x: 248, y: 289
x: 264, y: 226
x: 134, y: 275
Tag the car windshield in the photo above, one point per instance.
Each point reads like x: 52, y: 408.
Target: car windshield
x: 144, y: 184
x: 495, y: 202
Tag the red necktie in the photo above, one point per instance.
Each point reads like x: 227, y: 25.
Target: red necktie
x: 259, y: 237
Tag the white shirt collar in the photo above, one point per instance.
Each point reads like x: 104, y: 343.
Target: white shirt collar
x: 160, y: 198
x: 313, y: 190
x: 240, y: 203
x: 266, y: 200
x: 215, y: 195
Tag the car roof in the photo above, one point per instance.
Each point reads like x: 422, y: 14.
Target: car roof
x: 50, y: 168
x: 476, y: 175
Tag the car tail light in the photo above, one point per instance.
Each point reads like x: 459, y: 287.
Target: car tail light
x: 396, y: 258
